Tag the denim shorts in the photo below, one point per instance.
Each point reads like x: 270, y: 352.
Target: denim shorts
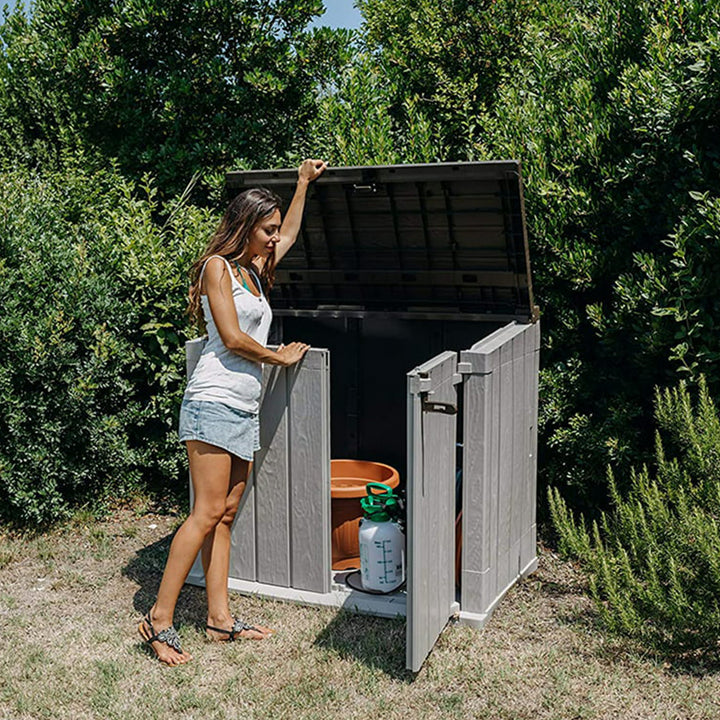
x: 218, y: 424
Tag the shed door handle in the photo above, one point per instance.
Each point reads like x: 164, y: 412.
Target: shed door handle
x: 439, y: 407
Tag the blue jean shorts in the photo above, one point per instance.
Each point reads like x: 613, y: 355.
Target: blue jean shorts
x: 218, y: 424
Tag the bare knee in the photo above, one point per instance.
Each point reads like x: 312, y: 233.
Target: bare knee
x: 231, y: 509
x: 232, y: 503
x: 207, y: 518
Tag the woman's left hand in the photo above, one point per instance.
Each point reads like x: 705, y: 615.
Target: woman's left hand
x: 311, y: 170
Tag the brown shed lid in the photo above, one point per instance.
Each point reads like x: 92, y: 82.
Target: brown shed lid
x: 445, y: 239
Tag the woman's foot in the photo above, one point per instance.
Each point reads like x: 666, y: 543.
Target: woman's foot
x: 163, y: 639
x: 227, y: 629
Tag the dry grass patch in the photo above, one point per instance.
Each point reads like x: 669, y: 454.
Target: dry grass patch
x: 70, y: 601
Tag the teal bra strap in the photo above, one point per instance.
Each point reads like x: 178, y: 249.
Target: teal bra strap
x: 257, y: 282
x: 242, y: 278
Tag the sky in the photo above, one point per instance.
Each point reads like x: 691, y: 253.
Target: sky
x: 338, y: 13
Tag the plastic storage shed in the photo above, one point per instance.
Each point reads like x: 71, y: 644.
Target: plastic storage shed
x: 412, y: 284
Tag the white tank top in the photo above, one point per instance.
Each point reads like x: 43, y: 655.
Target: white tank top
x: 222, y: 375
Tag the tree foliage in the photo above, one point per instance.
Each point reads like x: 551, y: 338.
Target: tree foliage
x: 166, y: 87
x: 612, y: 107
x: 614, y: 110
x: 446, y: 59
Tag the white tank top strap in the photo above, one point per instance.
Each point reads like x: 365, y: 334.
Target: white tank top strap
x: 202, y: 271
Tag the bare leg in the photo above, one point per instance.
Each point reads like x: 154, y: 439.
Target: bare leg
x: 210, y: 469
x: 216, y: 558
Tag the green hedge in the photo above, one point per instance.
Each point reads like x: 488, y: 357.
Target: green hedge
x: 613, y: 107
x: 93, y: 290
x: 653, y: 558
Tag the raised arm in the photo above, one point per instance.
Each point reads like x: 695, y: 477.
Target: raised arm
x: 217, y: 283
x: 307, y: 172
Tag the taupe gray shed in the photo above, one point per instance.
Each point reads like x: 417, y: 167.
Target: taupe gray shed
x: 412, y: 283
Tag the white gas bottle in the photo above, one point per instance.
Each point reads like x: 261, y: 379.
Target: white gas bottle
x: 381, y: 541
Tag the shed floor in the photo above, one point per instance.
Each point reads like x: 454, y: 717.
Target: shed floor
x: 340, y: 595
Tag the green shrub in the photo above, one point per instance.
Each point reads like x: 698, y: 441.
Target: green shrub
x: 654, y: 558
x: 354, y: 124
x: 612, y: 107
x: 93, y: 289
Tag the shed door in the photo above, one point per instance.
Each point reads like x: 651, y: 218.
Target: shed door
x: 431, y: 424
x: 500, y: 417
x: 282, y: 532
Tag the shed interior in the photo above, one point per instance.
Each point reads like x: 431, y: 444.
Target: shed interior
x: 369, y: 362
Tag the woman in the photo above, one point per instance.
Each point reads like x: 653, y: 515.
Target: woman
x: 219, y: 415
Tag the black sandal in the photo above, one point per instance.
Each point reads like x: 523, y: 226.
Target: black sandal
x: 238, y: 627
x: 169, y: 635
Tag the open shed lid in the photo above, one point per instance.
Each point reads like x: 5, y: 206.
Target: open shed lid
x: 445, y: 240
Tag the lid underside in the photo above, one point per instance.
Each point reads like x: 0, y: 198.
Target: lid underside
x: 441, y: 239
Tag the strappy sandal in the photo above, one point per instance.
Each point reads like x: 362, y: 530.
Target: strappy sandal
x: 238, y: 627
x: 169, y: 635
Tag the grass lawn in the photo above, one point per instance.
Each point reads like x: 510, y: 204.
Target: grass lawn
x: 70, y: 601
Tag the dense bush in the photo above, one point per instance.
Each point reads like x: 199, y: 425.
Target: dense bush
x: 447, y: 59
x: 93, y: 289
x: 353, y: 125
x: 653, y: 559
x: 614, y: 110
x: 612, y: 107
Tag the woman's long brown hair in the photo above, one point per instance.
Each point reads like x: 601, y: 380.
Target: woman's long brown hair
x: 231, y: 239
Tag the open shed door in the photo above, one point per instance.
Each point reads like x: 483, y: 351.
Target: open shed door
x: 431, y: 432
x: 499, y: 466
x: 497, y: 377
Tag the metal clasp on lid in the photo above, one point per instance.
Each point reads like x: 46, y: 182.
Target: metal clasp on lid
x: 369, y: 188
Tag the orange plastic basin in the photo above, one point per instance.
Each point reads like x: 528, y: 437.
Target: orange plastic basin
x: 347, y: 485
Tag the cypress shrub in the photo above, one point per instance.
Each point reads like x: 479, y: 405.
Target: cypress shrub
x: 93, y: 286
x: 654, y: 558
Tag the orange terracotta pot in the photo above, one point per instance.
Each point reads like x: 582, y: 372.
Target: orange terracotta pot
x: 347, y: 485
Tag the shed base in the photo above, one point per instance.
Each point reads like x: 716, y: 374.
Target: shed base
x: 478, y: 620
x: 340, y: 595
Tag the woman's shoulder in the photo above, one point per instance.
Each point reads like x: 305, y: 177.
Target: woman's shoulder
x: 216, y: 269
x: 216, y: 264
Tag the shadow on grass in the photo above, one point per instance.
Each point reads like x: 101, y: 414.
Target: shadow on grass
x: 698, y: 664
x: 560, y: 589
x: 378, y: 643
x: 616, y: 647
x: 146, y: 569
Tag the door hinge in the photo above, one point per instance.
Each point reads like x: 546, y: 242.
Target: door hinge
x: 419, y: 384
